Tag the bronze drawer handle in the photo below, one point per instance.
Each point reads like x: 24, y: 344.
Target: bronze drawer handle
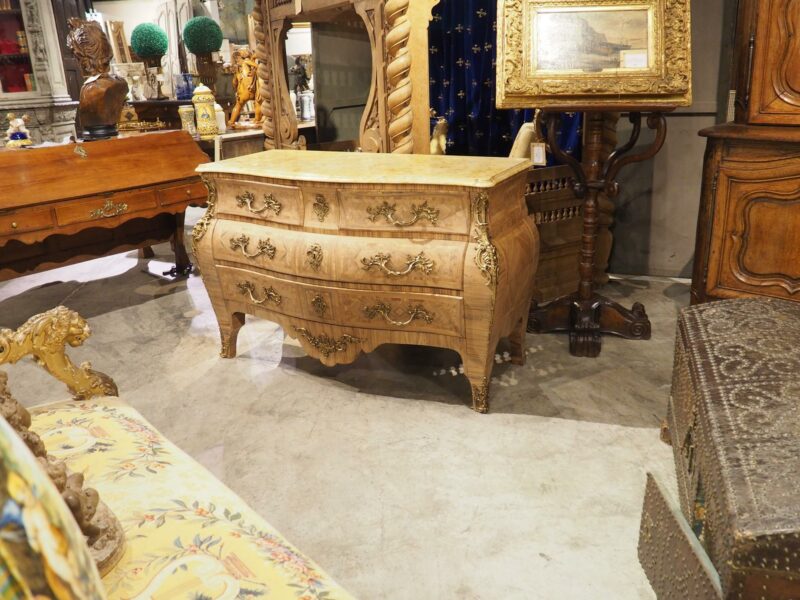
x: 270, y: 295
x: 385, y: 310
x: 108, y: 210
x: 325, y: 344
x: 420, y: 261
x: 264, y: 247
x: 270, y: 203
x: 387, y: 211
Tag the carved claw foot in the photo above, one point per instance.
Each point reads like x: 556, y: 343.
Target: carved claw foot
x: 179, y: 271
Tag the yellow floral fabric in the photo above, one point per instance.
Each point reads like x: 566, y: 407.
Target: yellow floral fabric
x: 187, y: 535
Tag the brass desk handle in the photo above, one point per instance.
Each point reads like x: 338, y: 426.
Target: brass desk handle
x: 385, y: 310
x: 108, y: 210
x: 387, y: 211
x: 420, y: 261
x: 264, y: 247
x: 326, y: 345
x: 270, y: 295
x: 270, y: 203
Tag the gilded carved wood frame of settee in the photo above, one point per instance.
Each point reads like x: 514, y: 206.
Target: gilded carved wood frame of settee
x: 396, y: 118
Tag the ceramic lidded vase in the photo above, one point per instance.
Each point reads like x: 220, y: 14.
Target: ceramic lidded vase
x: 203, y: 100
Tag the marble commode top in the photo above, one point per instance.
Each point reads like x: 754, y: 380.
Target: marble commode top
x: 369, y: 168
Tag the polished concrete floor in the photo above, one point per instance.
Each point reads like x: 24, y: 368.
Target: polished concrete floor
x: 379, y: 470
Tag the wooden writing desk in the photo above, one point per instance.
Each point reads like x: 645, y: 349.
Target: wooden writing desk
x: 65, y: 204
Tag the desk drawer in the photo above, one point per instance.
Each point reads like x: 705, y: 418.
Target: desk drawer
x: 25, y: 220
x: 262, y: 201
x: 194, y: 193
x: 384, y: 261
x: 434, y: 212
x: 105, y: 207
x: 384, y: 310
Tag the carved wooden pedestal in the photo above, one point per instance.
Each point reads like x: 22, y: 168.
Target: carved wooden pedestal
x: 585, y: 314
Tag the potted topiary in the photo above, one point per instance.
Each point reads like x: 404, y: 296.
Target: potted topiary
x: 202, y: 36
x: 150, y: 43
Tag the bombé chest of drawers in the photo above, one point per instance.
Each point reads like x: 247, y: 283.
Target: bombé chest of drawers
x: 347, y: 251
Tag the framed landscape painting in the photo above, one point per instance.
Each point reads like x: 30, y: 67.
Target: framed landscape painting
x: 592, y: 54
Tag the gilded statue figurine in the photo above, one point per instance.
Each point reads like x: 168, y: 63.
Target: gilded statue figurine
x: 245, y: 82
x: 44, y: 337
x: 102, y: 94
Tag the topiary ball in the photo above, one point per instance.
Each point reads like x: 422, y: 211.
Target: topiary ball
x: 149, y: 40
x: 202, y: 35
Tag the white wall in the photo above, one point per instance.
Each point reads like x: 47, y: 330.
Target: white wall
x: 656, y: 212
x: 130, y: 12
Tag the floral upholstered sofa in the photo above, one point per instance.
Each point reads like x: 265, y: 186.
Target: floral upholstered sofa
x: 186, y: 535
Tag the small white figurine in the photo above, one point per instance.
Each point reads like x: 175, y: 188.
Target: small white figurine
x: 17, y: 134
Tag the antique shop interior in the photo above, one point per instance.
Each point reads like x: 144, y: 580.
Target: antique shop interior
x: 403, y: 299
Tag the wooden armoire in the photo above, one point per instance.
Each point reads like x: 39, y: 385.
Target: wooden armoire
x: 748, y: 236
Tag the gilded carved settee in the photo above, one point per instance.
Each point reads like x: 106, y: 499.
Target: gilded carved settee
x: 186, y: 535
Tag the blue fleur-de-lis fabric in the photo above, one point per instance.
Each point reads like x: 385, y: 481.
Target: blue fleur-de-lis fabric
x: 463, y: 60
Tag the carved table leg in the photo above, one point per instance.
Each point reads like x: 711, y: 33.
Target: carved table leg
x: 146, y: 252
x: 229, y: 332
x: 183, y: 265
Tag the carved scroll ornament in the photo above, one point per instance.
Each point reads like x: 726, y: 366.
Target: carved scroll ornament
x: 44, y: 337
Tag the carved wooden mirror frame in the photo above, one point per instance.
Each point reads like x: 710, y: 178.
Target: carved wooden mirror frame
x: 396, y: 118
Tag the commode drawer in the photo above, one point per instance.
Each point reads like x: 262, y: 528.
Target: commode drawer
x: 385, y: 310
x: 429, y: 212
x: 385, y: 261
x: 261, y: 201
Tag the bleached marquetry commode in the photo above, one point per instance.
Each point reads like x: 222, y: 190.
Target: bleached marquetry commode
x: 347, y: 251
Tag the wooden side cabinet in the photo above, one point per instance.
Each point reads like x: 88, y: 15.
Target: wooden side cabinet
x: 768, y: 62
x: 748, y: 238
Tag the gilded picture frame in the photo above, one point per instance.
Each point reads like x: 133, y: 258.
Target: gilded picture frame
x: 594, y: 54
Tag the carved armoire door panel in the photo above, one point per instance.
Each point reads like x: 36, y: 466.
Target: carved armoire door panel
x: 63, y: 10
x: 774, y: 95
x: 757, y: 228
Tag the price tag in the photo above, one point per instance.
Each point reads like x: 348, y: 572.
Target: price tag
x: 539, y: 154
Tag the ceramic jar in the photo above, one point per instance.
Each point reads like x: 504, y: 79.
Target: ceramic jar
x: 186, y: 114
x: 205, y: 114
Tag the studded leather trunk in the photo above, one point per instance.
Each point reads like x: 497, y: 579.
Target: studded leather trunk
x: 734, y: 416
